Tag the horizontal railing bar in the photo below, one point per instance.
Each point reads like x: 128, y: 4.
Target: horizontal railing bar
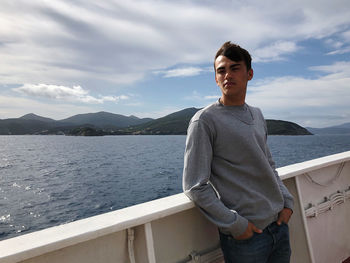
x: 292, y: 170
x: 54, y: 238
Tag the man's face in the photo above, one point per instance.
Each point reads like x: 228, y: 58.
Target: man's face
x: 232, y: 78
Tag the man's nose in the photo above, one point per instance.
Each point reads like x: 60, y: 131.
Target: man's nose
x: 228, y: 75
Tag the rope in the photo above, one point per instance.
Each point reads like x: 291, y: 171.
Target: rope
x: 329, y: 182
x: 328, y: 204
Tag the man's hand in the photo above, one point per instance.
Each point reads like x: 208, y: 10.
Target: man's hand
x: 251, y: 228
x: 284, y: 216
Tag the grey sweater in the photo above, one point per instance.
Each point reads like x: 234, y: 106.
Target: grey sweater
x: 228, y: 169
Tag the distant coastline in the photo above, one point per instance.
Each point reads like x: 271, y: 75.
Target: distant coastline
x: 105, y: 123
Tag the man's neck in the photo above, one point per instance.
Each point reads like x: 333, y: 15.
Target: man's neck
x: 227, y: 102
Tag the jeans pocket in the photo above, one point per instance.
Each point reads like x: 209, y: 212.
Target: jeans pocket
x: 242, y: 241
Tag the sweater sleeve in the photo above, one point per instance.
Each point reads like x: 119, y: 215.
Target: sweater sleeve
x: 196, y: 180
x: 288, y: 198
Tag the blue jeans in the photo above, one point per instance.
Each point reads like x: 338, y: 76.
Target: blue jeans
x: 271, y: 246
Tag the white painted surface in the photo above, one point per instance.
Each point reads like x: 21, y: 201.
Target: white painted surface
x: 54, y: 238
x: 329, y: 231
x: 312, y: 165
x: 149, y: 243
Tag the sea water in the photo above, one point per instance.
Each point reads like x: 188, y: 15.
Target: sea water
x: 51, y: 180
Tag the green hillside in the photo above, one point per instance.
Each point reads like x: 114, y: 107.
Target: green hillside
x: 103, y: 123
x: 175, y: 123
x: 278, y: 127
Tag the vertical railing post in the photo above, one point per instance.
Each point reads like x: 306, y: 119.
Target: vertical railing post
x: 149, y: 243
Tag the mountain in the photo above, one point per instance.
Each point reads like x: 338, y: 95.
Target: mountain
x: 175, y: 123
x: 104, y: 123
x: 34, y: 124
x: 338, y: 129
x: 278, y: 127
x: 32, y: 116
x: 23, y: 126
x: 85, y: 131
x: 105, y: 120
x: 344, y: 125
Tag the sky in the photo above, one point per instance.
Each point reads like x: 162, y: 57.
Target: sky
x: 149, y: 58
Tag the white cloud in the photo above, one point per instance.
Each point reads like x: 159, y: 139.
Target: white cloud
x: 334, y: 43
x: 274, y: 52
x: 158, y: 113
x: 63, y: 93
x: 341, y: 43
x: 340, y: 51
x: 182, y: 72
x: 314, y: 102
x: 114, y: 98
x: 201, y: 98
x: 212, y: 97
x: 346, y: 36
x: 52, y: 91
x: 14, y: 107
x: 342, y: 67
x: 121, y: 41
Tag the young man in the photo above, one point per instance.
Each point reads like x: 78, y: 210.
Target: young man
x: 229, y: 172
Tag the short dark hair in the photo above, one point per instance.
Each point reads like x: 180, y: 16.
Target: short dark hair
x: 235, y: 53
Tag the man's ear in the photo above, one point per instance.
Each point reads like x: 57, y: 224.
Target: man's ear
x: 250, y: 74
x: 216, y: 79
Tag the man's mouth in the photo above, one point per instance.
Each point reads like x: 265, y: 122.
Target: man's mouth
x: 229, y: 83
